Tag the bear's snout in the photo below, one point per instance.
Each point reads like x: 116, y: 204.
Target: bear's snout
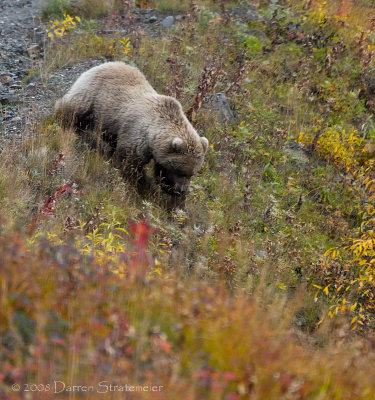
x: 182, y: 188
x: 172, y: 182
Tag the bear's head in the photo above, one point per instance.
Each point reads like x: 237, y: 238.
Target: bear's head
x: 182, y: 160
x: 178, y: 150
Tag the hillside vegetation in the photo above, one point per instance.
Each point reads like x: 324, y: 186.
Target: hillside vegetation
x: 262, y: 287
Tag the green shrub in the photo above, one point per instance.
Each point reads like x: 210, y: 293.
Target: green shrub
x: 56, y: 8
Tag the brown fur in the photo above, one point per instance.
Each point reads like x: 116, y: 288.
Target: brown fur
x: 139, y: 123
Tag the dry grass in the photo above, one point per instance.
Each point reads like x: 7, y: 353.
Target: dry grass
x: 97, y: 8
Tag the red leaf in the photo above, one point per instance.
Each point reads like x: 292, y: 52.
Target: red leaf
x: 142, y: 232
x: 229, y: 376
x: 59, y: 341
x: 232, y: 396
x: 164, y: 345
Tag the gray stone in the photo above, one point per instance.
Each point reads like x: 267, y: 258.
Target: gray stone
x: 261, y: 254
x: 7, y: 98
x: 219, y: 103
x: 2, y: 88
x: 295, y: 152
x: 19, y: 48
x: 34, y: 50
x: 152, y: 19
x: 168, y: 22
x: 246, y: 13
x: 6, y: 79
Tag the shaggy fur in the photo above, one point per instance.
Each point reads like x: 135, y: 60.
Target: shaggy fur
x: 137, y: 122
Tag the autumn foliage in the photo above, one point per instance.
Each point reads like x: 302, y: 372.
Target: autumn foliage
x: 67, y: 317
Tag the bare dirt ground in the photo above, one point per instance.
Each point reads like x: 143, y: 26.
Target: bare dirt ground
x: 25, y: 99
x: 20, y: 30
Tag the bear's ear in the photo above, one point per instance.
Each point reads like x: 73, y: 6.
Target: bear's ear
x: 177, y: 144
x: 170, y: 109
x: 205, y: 143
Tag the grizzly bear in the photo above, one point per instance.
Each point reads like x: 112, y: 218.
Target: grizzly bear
x: 138, y: 124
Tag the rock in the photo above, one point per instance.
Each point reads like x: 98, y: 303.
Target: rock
x: 34, y: 50
x: 168, y: 22
x: 245, y: 14
x: 7, y: 98
x: 152, y: 19
x: 38, y: 36
x: 261, y: 254
x: 16, y: 119
x: 8, y: 115
x: 295, y: 152
x: 218, y: 102
x: 6, y: 79
x: 180, y: 17
x: 2, y: 88
x: 18, y: 48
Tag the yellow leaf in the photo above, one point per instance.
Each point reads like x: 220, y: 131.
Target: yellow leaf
x: 326, y: 254
x: 325, y: 290
x: 353, y: 319
x: 318, y: 287
x: 59, y: 32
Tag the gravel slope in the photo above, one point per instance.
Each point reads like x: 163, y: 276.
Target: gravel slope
x: 21, y: 34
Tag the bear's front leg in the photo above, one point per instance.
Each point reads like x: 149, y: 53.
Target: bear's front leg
x: 177, y: 201
x: 132, y: 169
